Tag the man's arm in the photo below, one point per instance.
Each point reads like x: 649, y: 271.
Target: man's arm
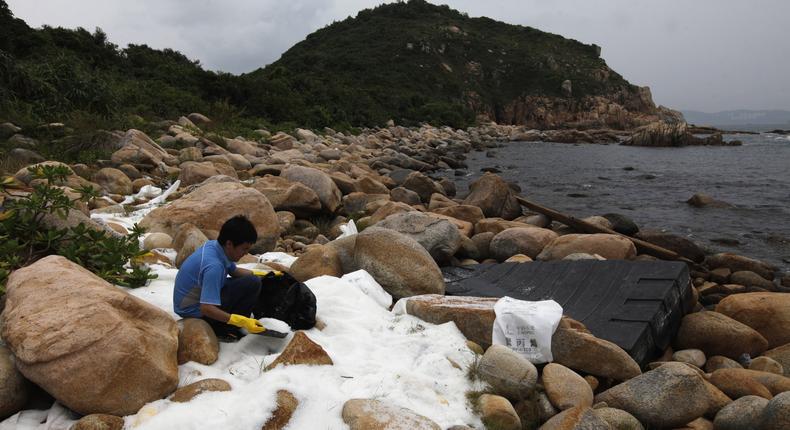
x: 214, y: 312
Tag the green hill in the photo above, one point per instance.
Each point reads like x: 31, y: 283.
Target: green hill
x: 412, y: 62
x: 419, y: 62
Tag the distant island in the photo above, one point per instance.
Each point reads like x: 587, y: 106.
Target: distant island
x: 741, y: 117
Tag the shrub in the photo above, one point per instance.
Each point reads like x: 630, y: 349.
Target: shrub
x: 26, y: 237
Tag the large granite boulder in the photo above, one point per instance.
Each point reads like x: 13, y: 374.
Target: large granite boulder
x: 717, y: 334
x: 438, y: 236
x: 608, y: 246
x: 493, y: 195
x: 113, y: 181
x: 368, y: 414
x: 529, y: 241
x: 285, y: 195
x: 667, y: 397
x: 318, y: 260
x: 776, y: 415
x: 138, y: 148
x: 318, y: 181
x: 424, y: 186
x: 507, y: 372
x: 736, y: 263
x: 673, y: 242
x: 576, y: 348
x: 93, y: 346
x: 474, y: 316
x: 413, y: 272
x: 14, y: 388
x: 768, y: 313
x: 195, y: 172
x: 209, y: 206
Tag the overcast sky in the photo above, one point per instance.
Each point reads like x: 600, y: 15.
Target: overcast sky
x: 708, y: 55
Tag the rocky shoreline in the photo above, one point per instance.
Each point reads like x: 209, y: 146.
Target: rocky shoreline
x: 728, y: 367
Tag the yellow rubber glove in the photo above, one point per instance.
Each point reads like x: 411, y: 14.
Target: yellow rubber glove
x: 265, y: 273
x: 251, y: 325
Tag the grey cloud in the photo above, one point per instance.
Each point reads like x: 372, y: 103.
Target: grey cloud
x: 702, y: 54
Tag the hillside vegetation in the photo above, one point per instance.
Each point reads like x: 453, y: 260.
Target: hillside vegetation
x: 412, y: 62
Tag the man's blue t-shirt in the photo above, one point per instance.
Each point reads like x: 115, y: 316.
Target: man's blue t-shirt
x: 200, y: 279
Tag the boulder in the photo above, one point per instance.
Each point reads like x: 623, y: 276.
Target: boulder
x: 189, y: 392
x: 736, y: 384
x: 195, y: 172
x: 529, y: 241
x: 318, y: 260
x: 221, y: 201
x: 187, y: 241
x: 717, y: 334
x: 565, y: 388
x: 368, y: 185
x: 197, y: 342
x: 742, y: 414
x: 738, y: 262
x: 99, y: 422
x: 482, y: 242
x: 138, y: 148
x: 766, y: 364
x: 301, y: 350
x: 285, y: 195
x: 767, y: 313
x: 720, y: 362
x: 750, y: 279
x: 474, y: 316
x: 464, y: 228
x: 701, y: 200
x: 190, y: 153
x: 497, y: 225
x: 439, y: 237
x: 157, y: 240
x: 669, y: 396
x: 782, y: 356
x: 439, y: 201
x: 281, y: 416
x: 776, y: 415
x: 422, y: 185
x: 113, y: 359
x: 467, y: 213
x: 14, y: 388
x: 318, y: 181
x: 691, y: 356
x: 368, y: 414
x: 618, y: 419
x: 198, y: 118
x: 622, y: 224
x: 496, y: 412
x: 580, y: 350
x: 673, y: 242
x: 576, y: 418
x: 507, y: 372
x: 493, y: 195
x: 774, y: 383
x: 608, y: 246
x: 414, y: 272
x: 403, y: 195
x: 113, y: 181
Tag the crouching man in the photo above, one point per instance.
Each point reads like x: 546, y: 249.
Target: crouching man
x: 204, y: 290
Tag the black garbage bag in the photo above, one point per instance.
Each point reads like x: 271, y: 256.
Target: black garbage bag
x: 286, y: 299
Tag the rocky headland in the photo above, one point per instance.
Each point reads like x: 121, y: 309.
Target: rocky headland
x: 728, y: 366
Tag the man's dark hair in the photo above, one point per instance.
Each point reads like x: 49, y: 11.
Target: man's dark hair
x: 238, y: 230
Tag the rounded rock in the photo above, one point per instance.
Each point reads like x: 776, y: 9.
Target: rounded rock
x: 509, y: 373
x: 566, y: 388
x: 742, y: 414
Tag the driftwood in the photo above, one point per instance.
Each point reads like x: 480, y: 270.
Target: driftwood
x: 586, y: 227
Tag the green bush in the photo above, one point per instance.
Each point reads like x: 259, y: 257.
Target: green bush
x: 25, y: 237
